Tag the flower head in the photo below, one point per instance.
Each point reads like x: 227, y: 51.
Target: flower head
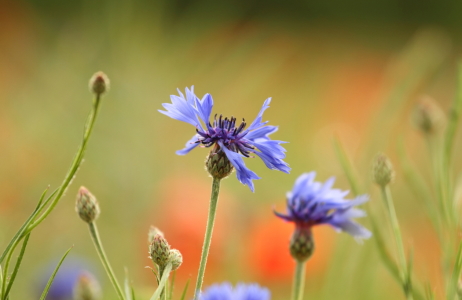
x: 227, y: 136
x: 225, y: 291
x: 312, y: 203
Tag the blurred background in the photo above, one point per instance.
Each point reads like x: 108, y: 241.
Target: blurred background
x: 352, y: 69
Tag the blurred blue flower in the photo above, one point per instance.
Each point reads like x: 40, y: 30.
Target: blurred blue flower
x: 313, y: 203
x: 236, y: 141
x: 242, y: 291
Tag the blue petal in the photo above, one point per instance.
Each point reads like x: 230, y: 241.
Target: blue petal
x: 261, y: 132
x: 273, y: 163
x: 204, y: 108
x: 301, y: 184
x: 182, y: 110
x: 352, y: 228
x: 251, y: 292
x: 191, y: 144
x: 222, y: 291
x: 244, y: 175
x: 257, y: 122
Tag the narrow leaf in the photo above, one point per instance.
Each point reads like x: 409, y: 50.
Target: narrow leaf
x: 50, y: 281
x: 346, y: 165
x: 183, y: 295
x: 16, y: 267
x: 162, y: 282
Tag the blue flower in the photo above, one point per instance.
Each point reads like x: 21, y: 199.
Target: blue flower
x: 313, y: 203
x: 242, y: 291
x: 235, y: 140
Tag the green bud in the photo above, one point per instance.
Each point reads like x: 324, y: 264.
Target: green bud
x: 302, y: 243
x: 382, y: 170
x: 217, y: 164
x: 87, y: 206
x: 159, y: 251
x: 175, y: 258
x: 86, y: 288
x: 99, y: 83
x: 428, y: 116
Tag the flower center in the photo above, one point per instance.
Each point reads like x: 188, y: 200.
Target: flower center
x: 226, y: 131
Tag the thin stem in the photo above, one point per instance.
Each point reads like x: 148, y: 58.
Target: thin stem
x: 75, y: 164
x: 386, y: 195
x: 102, y: 255
x: 299, y: 281
x: 208, y: 235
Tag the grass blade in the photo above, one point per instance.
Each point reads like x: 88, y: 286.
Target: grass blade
x: 453, y: 284
x: 127, y: 289
x: 52, y: 277
x: 172, y: 283
x: 183, y: 295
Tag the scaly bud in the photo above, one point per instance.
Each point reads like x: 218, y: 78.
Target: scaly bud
x: 86, y: 288
x: 217, y: 164
x: 160, y: 251
x: 428, y: 116
x: 153, y: 231
x: 382, y: 170
x: 175, y: 258
x: 302, y: 243
x: 87, y: 206
x: 99, y: 83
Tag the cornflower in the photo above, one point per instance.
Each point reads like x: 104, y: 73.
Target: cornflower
x: 228, y: 138
x: 312, y: 203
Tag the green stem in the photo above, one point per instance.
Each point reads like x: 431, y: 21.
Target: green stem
x: 386, y: 195
x: 75, y: 164
x: 208, y: 235
x: 299, y: 281
x: 102, y: 255
x: 30, y: 224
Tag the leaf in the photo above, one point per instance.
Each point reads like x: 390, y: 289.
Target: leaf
x: 50, y: 281
x: 127, y: 289
x: 170, y: 294
x: 162, y: 282
x: 16, y: 267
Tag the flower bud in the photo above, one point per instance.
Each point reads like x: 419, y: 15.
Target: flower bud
x: 86, y: 288
x: 175, y: 258
x: 153, y: 231
x: 382, y: 170
x: 99, y: 83
x: 87, y: 206
x: 302, y: 243
x: 217, y: 164
x: 428, y: 116
x: 160, y: 251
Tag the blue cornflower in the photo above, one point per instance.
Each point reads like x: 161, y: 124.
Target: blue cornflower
x: 313, y: 203
x: 235, y: 141
x: 225, y: 291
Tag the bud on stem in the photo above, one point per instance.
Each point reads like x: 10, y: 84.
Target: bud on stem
x: 382, y: 170
x: 87, y: 206
x: 302, y: 243
x: 99, y: 83
x: 217, y: 164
